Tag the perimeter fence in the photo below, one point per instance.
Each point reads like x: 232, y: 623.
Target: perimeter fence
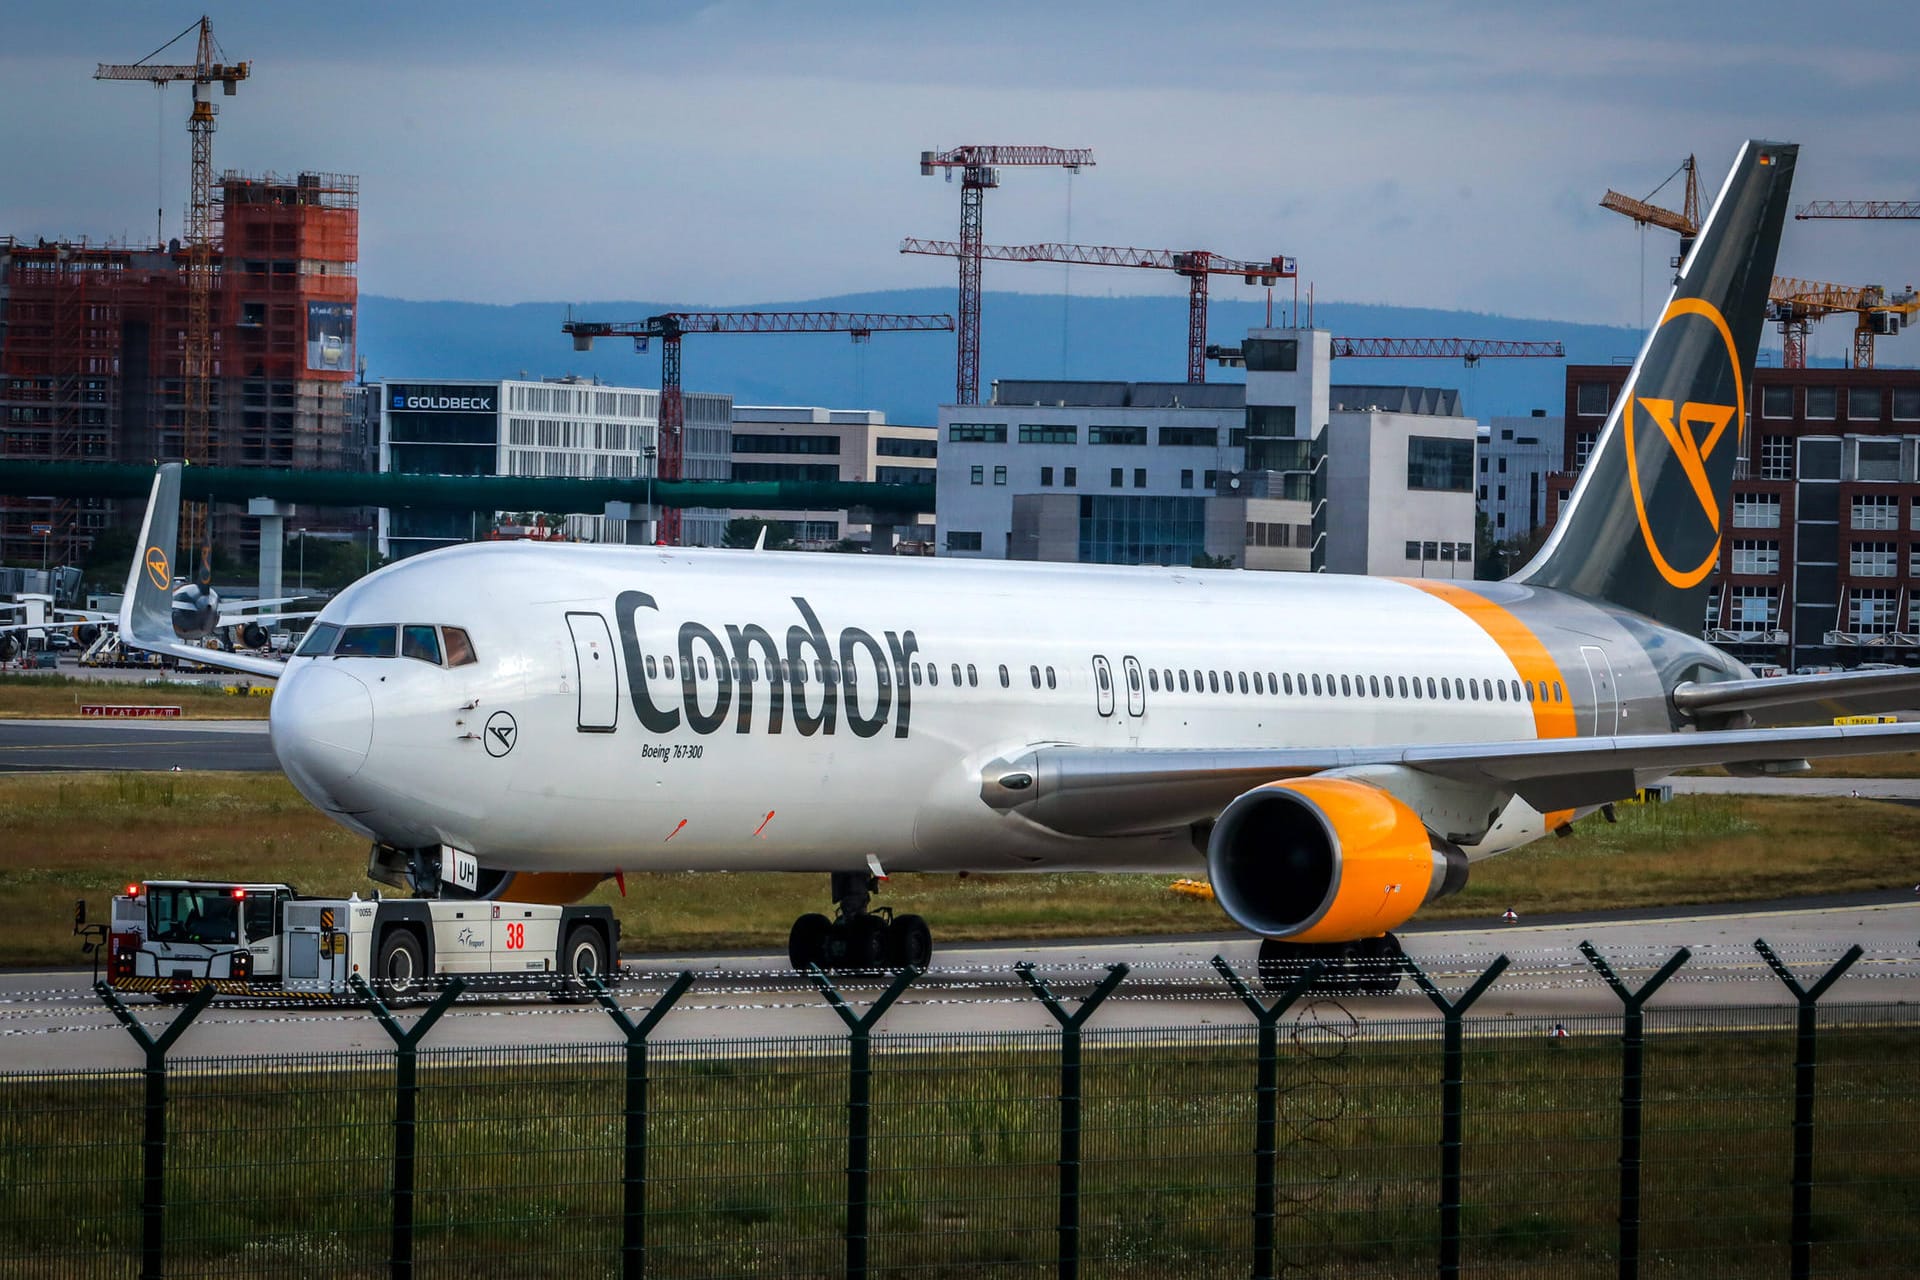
x: 1296, y: 1138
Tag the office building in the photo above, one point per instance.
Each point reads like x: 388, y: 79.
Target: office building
x: 803, y: 443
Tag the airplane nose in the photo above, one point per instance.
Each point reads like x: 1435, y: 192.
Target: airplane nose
x: 322, y: 725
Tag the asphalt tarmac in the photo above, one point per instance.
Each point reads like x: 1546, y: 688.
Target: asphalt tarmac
x: 51, y: 1020
x: 66, y: 746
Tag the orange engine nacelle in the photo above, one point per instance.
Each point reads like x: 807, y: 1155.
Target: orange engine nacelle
x: 1326, y: 860
x: 554, y: 888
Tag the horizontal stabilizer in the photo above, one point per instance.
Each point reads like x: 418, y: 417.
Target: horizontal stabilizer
x: 1786, y: 699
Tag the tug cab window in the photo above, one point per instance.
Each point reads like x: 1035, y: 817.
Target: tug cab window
x: 319, y: 641
x: 420, y: 642
x: 366, y: 642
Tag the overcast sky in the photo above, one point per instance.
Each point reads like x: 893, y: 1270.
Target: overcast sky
x: 744, y: 151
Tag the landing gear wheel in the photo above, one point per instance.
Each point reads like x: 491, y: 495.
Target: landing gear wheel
x: 1282, y: 964
x: 807, y: 941
x: 1379, y: 965
x: 866, y: 942
x: 400, y: 969
x: 585, y: 954
x: 909, y: 943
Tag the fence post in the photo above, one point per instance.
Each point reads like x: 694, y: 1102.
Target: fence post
x: 859, y: 1103
x: 1070, y: 1024
x: 1804, y: 1061
x: 1266, y: 1121
x: 1452, y: 1101
x: 633, y: 1229
x: 153, y: 1142
x: 1632, y: 1092
x: 406, y: 1045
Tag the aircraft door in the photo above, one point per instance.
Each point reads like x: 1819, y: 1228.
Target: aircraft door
x: 1136, y: 687
x: 1606, y: 705
x: 599, y: 677
x: 1103, y: 684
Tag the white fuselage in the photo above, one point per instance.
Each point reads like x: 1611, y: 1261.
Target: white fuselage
x: 538, y: 756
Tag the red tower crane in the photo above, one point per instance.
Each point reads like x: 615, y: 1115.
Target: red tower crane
x: 1877, y: 209
x: 1197, y: 265
x: 979, y: 170
x: 1469, y: 350
x: 671, y: 326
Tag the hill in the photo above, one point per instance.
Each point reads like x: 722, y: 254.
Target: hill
x: 909, y: 375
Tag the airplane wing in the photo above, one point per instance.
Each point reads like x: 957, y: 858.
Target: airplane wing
x: 240, y: 619
x: 1786, y: 699
x: 1104, y: 791
x: 146, y: 610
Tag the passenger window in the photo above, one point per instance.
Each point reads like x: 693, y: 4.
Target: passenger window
x: 653, y: 668
x: 883, y: 674
x: 1273, y: 683
x: 1258, y: 687
x: 1373, y: 684
x: 666, y: 667
x: 1516, y: 690
x: 973, y: 677
x: 365, y: 642
x: 1503, y: 690
x: 1416, y: 688
x: 701, y: 663
x: 1446, y: 690
x: 956, y: 675
x: 1005, y: 683
x: 1559, y: 694
x: 1242, y: 677
x: 1034, y: 674
x: 916, y: 673
x: 420, y: 642
x: 1153, y: 679
x: 1133, y: 679
x: 1199, y: 682
x: 1183, y: 680
x: 1287, y: 678
x: 1050, y: 683
x: 1316, y: 686
x: 318, y: 641
x: 1100, y: 677
x: 1459, y: 690
x: 1213, y: 682
x: 459, y: 648
x: 933, y: 674
x: 1403, y: 686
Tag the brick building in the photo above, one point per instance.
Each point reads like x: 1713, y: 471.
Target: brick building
x: 1820, y: 563
x: 92, y: 351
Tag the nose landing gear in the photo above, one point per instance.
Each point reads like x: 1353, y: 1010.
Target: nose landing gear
x: 858, y: 938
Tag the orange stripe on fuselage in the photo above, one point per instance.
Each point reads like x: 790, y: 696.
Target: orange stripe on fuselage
x: 1523, y: 648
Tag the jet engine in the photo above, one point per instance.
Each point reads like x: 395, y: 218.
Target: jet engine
x: 1327, y: 860
x: 196, y: 611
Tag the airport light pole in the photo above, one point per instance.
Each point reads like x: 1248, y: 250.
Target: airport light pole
x: 303, y: 560
x: 648, y: 453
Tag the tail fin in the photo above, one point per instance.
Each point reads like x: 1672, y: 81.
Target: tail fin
x: 147, y: 607
x: 1644, y: 524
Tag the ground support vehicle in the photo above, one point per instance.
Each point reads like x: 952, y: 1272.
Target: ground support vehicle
x: 169, y: 938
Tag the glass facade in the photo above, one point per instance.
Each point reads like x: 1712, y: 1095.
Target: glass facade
x: 1435, y: 463
x: 1142, y: 530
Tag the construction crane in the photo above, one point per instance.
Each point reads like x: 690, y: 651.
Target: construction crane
x: 671, y: 326
x: 1875, y: 209
x: 1686, y: 222
x: 207, y: 69
x: 1796, y: 304
x: 1470, y: 351
x: 979, y: 171
x: 1197, y: 265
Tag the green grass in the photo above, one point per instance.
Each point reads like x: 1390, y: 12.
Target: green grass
x: 51, y: 697
x: 84, y: 835
x: 284, y: 1168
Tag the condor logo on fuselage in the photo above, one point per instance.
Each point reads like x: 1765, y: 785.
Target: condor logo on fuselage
x: 1676, y: 499
x: 787, y: 676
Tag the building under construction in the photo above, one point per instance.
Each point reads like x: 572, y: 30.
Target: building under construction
x: 93, y: 352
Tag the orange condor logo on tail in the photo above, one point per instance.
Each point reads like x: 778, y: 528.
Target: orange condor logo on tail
x: 1688, y: 434
x: 157, y: 568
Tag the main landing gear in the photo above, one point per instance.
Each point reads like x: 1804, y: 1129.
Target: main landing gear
x: 857, y: 938
x: 1364, y: 967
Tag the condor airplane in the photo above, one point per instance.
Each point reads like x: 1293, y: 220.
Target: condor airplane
x: 1332, y: 751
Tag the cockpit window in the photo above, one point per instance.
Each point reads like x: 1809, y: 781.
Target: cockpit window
x: 460, y: 649
x: 420, y: 642
x: 319, y: 641
x: 365, y: 642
